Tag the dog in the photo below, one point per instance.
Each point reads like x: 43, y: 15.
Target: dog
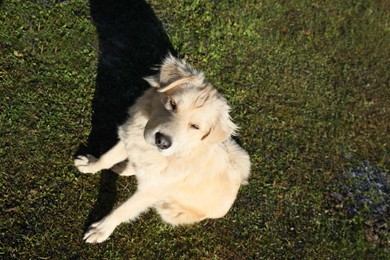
x: 177, y: 142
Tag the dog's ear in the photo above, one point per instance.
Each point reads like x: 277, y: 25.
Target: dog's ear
x: 153, y: 80
x: 173, y: 73
x: 223, y: 127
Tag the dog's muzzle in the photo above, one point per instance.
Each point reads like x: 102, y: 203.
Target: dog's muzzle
x: 162, y: 141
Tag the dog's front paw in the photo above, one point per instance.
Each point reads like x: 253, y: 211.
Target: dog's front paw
x: 86, y: 164
x: 100, y: 231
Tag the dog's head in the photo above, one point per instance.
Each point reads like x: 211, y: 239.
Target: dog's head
x: 187, y: 111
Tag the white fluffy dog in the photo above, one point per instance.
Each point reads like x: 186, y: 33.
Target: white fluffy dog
x: 177, y: 143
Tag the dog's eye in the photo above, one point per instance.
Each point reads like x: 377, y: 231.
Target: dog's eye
x: 195, y: 126
x: 173, y: 104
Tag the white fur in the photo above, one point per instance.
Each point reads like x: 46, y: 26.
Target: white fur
x: 198, y: 176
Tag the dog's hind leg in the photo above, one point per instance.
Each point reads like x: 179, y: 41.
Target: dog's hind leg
x: 123, y: 168
x: 90, y: 164
x: 175, y: 214
x: 132, y: 208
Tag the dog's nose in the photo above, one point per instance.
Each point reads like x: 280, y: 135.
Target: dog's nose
x: 162, y: 141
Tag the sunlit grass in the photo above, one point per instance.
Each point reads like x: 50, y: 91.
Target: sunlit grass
x: 309, y: 87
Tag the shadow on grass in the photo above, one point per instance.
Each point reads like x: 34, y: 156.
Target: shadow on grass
x: 131, y: 41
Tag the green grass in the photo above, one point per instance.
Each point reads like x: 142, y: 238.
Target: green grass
x: 309, y: 86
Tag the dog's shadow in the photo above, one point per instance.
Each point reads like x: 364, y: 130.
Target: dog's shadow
x: 131, y: 41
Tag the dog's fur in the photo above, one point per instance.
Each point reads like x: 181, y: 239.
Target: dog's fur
x: 177, y: 143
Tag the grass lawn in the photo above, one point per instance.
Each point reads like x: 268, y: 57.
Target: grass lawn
x: 308, y: 82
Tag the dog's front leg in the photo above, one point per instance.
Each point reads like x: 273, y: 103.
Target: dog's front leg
x: 89, y: 164
x: 132, y: 208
